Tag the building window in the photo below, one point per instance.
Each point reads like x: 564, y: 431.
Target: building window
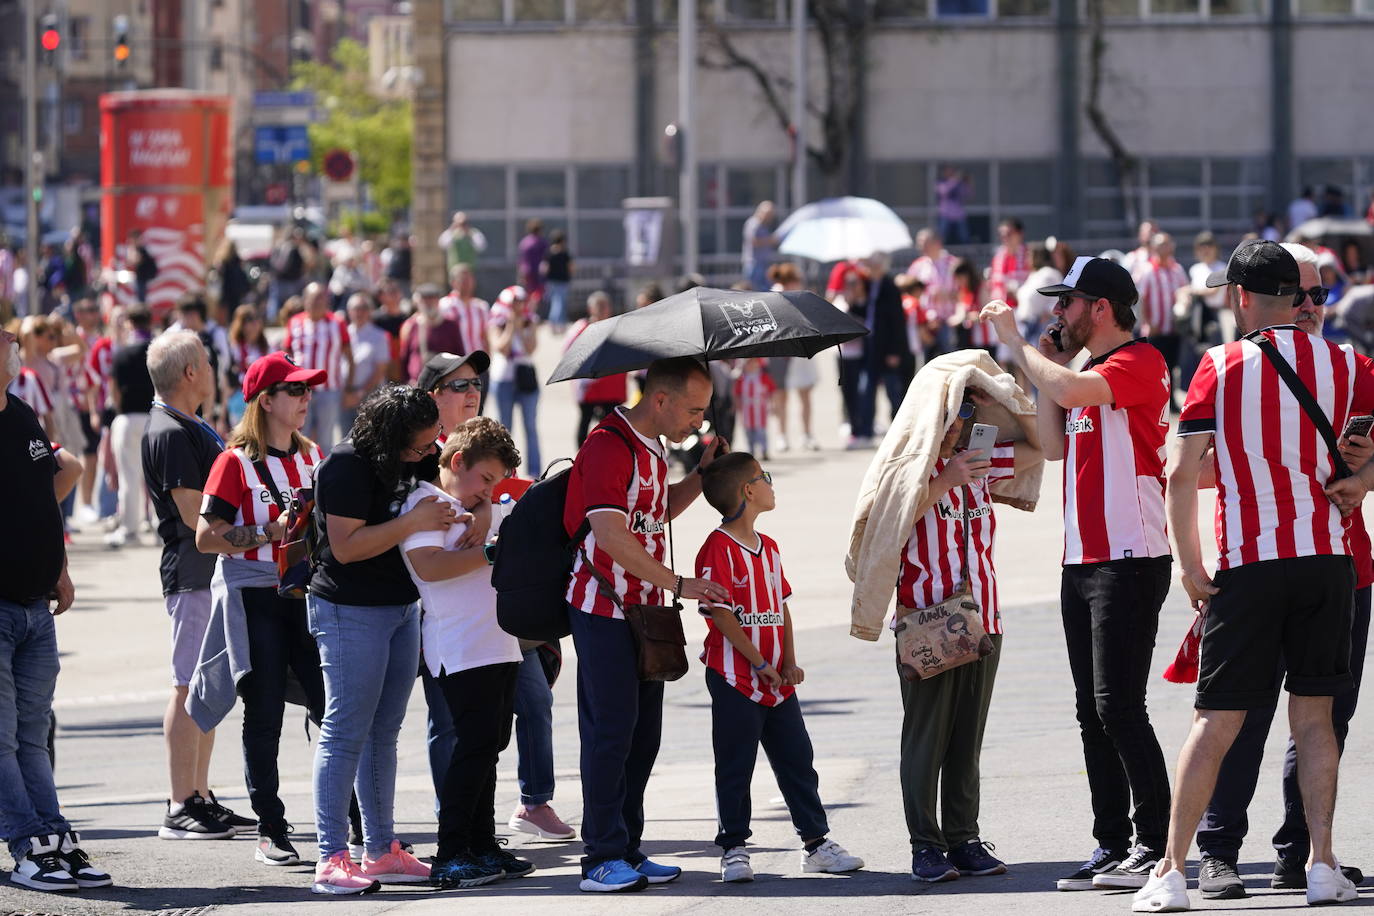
x: 79, y: 37
x: 1185, y: 9
x: 538, y: 11
x: 1182, y: 194
x: 72, y: 116
x: 601, y: 10
x: 962, y: 9
x: 751, y: 10
x: 474, y: 11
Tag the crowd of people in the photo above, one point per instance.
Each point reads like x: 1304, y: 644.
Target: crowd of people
x: 363, y: 411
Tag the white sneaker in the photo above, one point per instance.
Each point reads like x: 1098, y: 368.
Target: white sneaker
x: 734, y: 865
x: 116, y: 539
x: 1328, y: 885
x: 810, y: 444
x: 42, y: 867
x: 1166, y: 893
x: 830, y: 857
x: 782, y: 443
x: 87, y: 514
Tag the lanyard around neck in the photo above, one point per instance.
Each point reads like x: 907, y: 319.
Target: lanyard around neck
x: 213, y: 433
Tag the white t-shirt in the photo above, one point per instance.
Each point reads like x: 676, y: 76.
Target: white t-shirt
x: 1031, y: 306
x: 459, y: 629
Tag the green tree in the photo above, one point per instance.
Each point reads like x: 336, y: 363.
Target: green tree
x: 375, y: 129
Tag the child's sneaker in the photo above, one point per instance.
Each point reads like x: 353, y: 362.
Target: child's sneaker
x: 540, y: 821
x: 510, y: 866
x: 658, y: 874
x: 830, y: 857
x: 42, y: 867
x: 463, y: 870
x: 615, y: 876
x: 79, y: 865
x: 396, y: 866
x: 734, y: 865
x: 339, y: 874
x: 276, y: 850
x: 930, y: 865
x: 975, y: 859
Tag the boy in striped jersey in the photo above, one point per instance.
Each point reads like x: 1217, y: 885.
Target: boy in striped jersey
x: 752, y: 673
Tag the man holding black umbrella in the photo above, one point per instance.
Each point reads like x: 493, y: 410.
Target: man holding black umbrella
x: 619, y: 484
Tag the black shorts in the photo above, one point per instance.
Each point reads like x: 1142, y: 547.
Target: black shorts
x: 1277, y: 614
x: 91, y: 434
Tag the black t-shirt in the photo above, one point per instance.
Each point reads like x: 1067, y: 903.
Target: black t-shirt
x: 390, y: 323
x: 178, y: 453
x: 346, y: 485
x: 31, y: 549
x: 130, y: 374
x: 560, y: 266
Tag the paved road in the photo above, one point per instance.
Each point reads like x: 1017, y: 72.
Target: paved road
x: 111, y: 776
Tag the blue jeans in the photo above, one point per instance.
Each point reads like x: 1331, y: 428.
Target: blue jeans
x: 28, y: 676
x: 440, y: 738
x: 534, y: 732
x: 557, y: 294
x: 506, y: 399
x: 368, y: 656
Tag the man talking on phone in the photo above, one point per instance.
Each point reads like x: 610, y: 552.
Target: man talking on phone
x: 1107, y: 422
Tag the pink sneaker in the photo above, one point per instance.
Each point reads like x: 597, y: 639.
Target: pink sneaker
x: 396, y: 867
x: 541, y: 821
x: 338, y: 874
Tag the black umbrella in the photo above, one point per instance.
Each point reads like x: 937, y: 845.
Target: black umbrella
x: 708, y: 324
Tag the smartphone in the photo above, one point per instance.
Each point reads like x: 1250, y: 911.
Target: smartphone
x: 1056, y: 333
x: 981, y: 440
x: 1358, y: 426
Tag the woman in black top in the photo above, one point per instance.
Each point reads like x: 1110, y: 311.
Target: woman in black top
x: 557, y: 268
x: 364, y: 613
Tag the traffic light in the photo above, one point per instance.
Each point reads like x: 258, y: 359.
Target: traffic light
x: 49, y: 37
x: 121, y: 45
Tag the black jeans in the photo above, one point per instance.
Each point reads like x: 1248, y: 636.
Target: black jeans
x: 1111, y: 615
x: 1225, y: 824
x: 589, y: 414
x: 738, y: 727
x: 482, y: 703
x: 279, y: 644
x: 620, y: 721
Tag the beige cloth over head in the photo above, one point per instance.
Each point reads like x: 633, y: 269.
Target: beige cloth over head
x: 899, y: 476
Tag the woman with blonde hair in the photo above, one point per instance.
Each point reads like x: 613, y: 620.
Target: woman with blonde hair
x: 265, y: 463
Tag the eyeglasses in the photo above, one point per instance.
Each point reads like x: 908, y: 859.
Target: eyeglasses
x: 1317, y: 294
x: 294, y: 389
x: 460, y: 385
x: 764, y: 476
x: 429, y: 449
x: 966, y: 410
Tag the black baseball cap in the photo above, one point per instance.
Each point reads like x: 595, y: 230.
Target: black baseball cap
x: 1097, y: 277
x: 441, y: 364
x: 1260, y: 266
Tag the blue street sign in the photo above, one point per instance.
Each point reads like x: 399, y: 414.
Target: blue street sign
x: 281, y: 144
x: 302, y: 99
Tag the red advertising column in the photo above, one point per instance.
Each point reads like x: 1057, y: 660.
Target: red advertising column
x: 166, y: 169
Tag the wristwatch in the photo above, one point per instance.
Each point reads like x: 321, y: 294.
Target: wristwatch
x: 260, y: 531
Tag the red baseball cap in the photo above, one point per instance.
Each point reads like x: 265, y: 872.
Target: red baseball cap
x: 273, y: 369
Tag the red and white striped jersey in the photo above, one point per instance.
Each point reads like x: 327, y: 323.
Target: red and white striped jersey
x: 28, y: 387
x: 753, y: 392
x: 608, y: 477
x: 937, y: 274
x: 1114, y: 461
x: 99, y: 362
x: 758, y: 592
x: 1158, y: 285
x: 472, y: 319
x: 1009, y: 269
x: 235, y: 492
x: 318, y: 345
x: 242, y: 356
x: 933, y: 561
x: 1271, y: 463
x: 980, y: 333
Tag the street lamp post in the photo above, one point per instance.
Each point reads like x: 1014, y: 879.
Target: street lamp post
x: 687, y: 132
x: 32, y: 179
x: 799, y: 86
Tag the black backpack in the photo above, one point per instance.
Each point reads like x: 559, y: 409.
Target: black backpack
x: 534, y: 559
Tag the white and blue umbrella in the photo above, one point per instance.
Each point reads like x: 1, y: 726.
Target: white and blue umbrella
x: 843, y: 229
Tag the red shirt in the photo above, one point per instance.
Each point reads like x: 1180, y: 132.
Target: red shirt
x: 99, y: 362
x: 608, y: 390
x: 236, y: 493
x: 318, y: 345
x: 1271, y: 463
x: 608, y: 477
x: 1114, y: 461
x: 753, y: 391
x: 28, y: 387
x: 1009, y: 269
x: 758, y: 592
x: 933, y: 562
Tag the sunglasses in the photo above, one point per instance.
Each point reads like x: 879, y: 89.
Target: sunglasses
x: 1066, y: 299
x: 460, y: 385
x: 764, y: 476
x: 295, y: 389
x: 1317, y: 294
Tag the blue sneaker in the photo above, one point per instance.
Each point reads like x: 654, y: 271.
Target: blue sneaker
x: 658, y: 874
x: 463, y: 870
x: 930, y: 865
x: 975, y: 858
x: 613, y: 877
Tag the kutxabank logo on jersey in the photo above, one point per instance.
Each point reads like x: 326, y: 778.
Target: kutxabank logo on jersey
x: 748, y: 317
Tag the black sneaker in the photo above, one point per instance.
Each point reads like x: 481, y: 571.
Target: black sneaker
x: 975, y: 859
x: 42, y: 867
x: 1219, y: 880
x: 930, y: 865
x: 195, y: 821
x: 1103, y: 860
x: 510, y: 866
x: 463, y: 870
x: 1132, y: 873
x: 276, y: 849
x: 79, y: 865
x: 1291, y: 875
x: 228, y: 816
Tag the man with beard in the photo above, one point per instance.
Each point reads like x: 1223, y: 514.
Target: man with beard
x: 1108, y: 423
x: 427, y: 332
